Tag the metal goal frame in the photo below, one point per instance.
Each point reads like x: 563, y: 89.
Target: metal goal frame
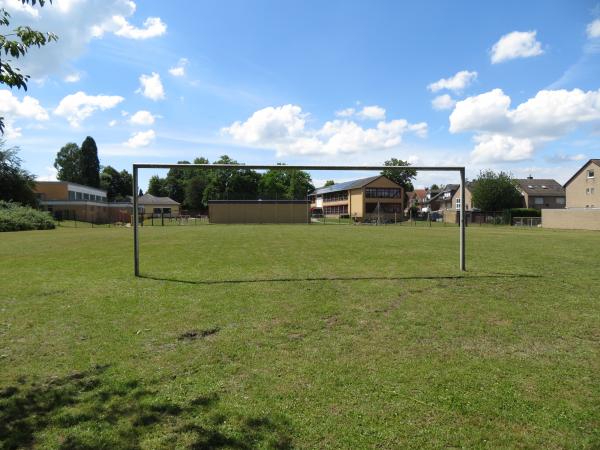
x: 137, y: 166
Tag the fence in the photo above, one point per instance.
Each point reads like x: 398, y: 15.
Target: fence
x: 527, y: 221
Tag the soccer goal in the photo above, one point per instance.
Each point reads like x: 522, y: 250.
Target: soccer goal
x: 310, y: 168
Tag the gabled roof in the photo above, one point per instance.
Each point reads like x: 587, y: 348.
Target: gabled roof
x: 354, y: 184
x: 149, y: 199
x: 449, y: 188
x: 541, y: 186
x: 595, y: 161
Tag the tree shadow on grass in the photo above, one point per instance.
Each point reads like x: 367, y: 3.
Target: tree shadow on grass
x: 343, y: 278
x: 89, y: 410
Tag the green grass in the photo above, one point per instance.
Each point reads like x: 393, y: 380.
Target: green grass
x: 300, y: 336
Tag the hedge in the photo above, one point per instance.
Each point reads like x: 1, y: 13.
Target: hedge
x: 509, y: 214
x: 14, y: 217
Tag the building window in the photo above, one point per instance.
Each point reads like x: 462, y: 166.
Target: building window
x: 589, y: 191
x: 458, y: 203
x: 382, y: 192
x: 166, y: 210
x: 333, y: 210
x: 336, y: 196
x: 156, y: 210
x: 86, y: 196
x: 71, y: 195
x: 590, y: 173
x: 560, y: 200
x: 79, y: 195
x: 538, y: 200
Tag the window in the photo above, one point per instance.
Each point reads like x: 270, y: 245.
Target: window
x: 560, y: 200
x: 86, y: 196
x: 389, y: 208
x: 329, y: 210
x: 79, y: 196
x: 166, y: 210
x: 589, y: 191
x: 458, y: 203
x: 71, y: 195
x: 336, y: 196
x: 382, y: 192
x: 590, y: 173
x: 156, y: 210
x: 538, y: 200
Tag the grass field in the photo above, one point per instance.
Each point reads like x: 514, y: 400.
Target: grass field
x: 300, y: 337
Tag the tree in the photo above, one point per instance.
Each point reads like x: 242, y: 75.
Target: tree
x: 403, y: 177
x: 118, y: 185
x: 434, y: 187
x: 272, y: 185
x: 157, y: 186
x: 329, y: 183
x: 17, y: 48
x: 495, y: 191
x: 231, y: 183
x: 68, y: 163
x: 299, y: 185
x: 285, y: 184
x: 89, y: 163
x: 194, y: 193
x: 16, y: 184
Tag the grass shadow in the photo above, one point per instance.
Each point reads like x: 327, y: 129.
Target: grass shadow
x: 89, y: 410
x: 342, y: 278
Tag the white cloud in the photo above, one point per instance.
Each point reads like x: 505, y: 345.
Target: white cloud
x: 112, y: 123
x: 498, y: 147
x: 505, y: 134
x: 76, y: 22
x: 51, y: 174
x: 518, y: 44
x: 283, y: 129
x: 455, y: 83
x: 443, y: 102
x: 153, y: 27
x: 12, y: 107
x: 142, y: 118
x: 593, y: 29
x: 141, y: 139
x: 151, y: 87
x: 348, y: 112
x: 79, y: 106
x: 373, y: 112
x: 179, y: 69
x: 72, y: 77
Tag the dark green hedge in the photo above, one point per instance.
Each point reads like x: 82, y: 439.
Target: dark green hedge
x: 520, y: 212
x: 14, y: 217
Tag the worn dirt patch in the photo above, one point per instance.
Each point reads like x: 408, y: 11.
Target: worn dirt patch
x: 197, y: 334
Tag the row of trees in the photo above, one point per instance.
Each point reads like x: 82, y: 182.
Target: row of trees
x: 193, y: 187
x: 81, y: 165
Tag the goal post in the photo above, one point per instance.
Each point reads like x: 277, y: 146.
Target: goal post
x: 137, y: 166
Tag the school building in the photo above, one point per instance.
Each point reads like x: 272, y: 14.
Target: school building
x: 375, y: 197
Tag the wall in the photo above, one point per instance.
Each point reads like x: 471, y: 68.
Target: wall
x: 259, y: 212
x: 357, y: 204
x: 52, y: 190
x: 576, y: 196
x: 571, y: 219
x: 469, y: 199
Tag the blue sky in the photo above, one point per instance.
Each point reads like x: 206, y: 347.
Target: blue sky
x: 511, y: 86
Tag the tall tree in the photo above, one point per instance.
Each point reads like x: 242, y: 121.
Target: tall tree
x: 89, y: 163
x: 16, y: 43
x: 329, y: 183
x: 68, y: 163
x: 403, y: 177
x: 176, y: 181
x: 194, y: 193
x: 118, y: 185
x: 493, y: 191
x: 16, y: 184
x: 299, y: 184
x: 157, y: 186
x: 273, y: 185
x: 126, y: 185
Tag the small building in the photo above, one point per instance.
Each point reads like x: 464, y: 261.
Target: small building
x: 72, y: 201
x: 583, y: 189
x: 416, y: 199
x: 362, y: 199
x: 153, y: 206
x: 541, y: 193
x: 258, y: 211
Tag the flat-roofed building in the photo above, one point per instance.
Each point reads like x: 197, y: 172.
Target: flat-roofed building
x: 258, y: 211
x: 362, y: 199
x: 72, y: 201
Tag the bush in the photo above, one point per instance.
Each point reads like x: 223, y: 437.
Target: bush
x: 509, y: 214
x: 14, y: 217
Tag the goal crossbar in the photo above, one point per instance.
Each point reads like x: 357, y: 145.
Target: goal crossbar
x: 137, y: 166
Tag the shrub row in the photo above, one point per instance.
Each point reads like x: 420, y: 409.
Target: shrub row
x: 14, y: 217
x: 509, y: 214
